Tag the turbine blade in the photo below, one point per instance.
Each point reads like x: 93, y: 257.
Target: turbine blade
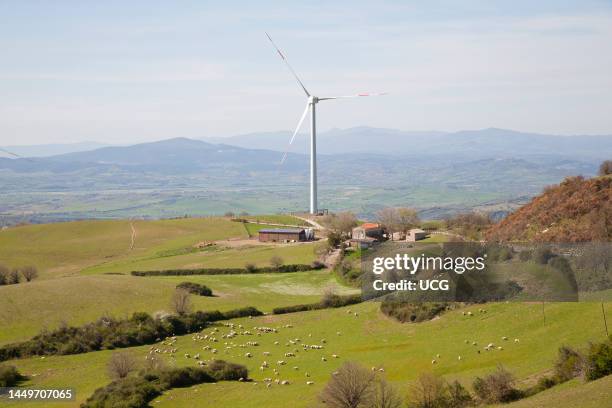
x: 288, y: 65
x: 352, y: 96
x: 297, y: 129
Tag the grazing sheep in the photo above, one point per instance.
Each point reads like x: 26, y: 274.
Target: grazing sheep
x: 382, y: 370
x: 500, y: 348
x: 516, y: 340
x: 433, y: 361
x: 459, y: 358
x: 285, y: 382
x: 268, y: 385
x: 276, y: 343
x: 470, y: 314
x: 307, y: 374
x: 266, y: 353
x: 334, y: 356
x: 438, y: 355
x: 323, y: 359
x: 356, y: 314
x: 296, y: 368
x: 504, y: 338
x: 323, y: 341
x: 248, y: 355
x: 338, y: 333
x: 187, y: 355
x: 241, y: 379
x: 309, y: 382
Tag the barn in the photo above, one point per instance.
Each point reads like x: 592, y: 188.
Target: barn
x: 282, y: 235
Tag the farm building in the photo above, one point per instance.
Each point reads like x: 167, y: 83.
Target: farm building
x: 362, y: 243
x: 416, y: 234
x: 368, y: 230
x: 285, y: 235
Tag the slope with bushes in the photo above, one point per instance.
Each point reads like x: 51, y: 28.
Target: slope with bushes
x: 577, y: 210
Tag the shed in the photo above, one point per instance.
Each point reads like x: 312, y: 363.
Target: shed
x: 282, y: 235
x: 416, y: 234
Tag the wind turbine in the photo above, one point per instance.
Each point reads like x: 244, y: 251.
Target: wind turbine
x: 310, y: 105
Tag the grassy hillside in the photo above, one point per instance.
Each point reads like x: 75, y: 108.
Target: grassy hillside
x: 404, y: 350
x: 64, y: 249
x: 576, y: 210
x: 27, y: 308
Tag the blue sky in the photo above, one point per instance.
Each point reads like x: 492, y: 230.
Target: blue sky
x: 132, y: 71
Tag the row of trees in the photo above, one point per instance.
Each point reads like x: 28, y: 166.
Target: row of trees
x: 15, y: 275
x: 393, y: 219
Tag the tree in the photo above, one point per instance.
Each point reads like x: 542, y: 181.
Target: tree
x: 384, y: 395
x: 29, y: 272
x: 341, y: 223
x: 605, y: 168
x: 121, y: 364
x: 351, y: 387
x: 4, y: 273
x: 13, y: 277
x: 406, y: 218
x: 181, y: 301
x: 276, y: 262
x: 428, y: 392
x: 389, y: 219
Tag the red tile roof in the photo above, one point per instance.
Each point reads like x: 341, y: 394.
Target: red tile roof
x: 370, y: 225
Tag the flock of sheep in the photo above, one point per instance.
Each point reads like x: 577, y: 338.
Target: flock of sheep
x: 216, y: 342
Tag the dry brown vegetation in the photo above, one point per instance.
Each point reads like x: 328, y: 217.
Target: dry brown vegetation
x: 577, y: 210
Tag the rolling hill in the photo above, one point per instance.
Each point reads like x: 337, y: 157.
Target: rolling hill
x: 576, y: 210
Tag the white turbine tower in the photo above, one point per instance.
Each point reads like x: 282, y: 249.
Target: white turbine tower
x: 310, y: 105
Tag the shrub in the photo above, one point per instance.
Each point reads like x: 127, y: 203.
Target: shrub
x: 13, y: 277
x: 429, y: 391
x: 276, y: 262
x: 29, y: 272
x: 569, y: 364
x: 332, y: 302
x: 458, y: 396
x: 9, y: 376
x: 4, y: 272
x: 599, y: 360
x: 230, y: 271
x: 542, y: 255
x: 525, y: 255
x: 195, y: 288
x: 124, y: 393
x: 334, y: 239
x: 352, y: 386
x: 413, y: 312
x: 181, y: 301
x: 250, y: 267
x: 121, y: 364
x: 108, y: 333
x: 497, y: 387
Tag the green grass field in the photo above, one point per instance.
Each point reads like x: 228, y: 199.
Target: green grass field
x: 85, y: 274
x: 403, y: 350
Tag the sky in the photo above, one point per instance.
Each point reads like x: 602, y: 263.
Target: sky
x: 121, y: 72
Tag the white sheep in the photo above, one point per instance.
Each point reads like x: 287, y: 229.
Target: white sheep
x: 309, y: 382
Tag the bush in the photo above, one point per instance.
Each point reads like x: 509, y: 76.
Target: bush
x: 231, y: 271
x: 108, y: 333
x: 333, y: 301
x: 276, y: 262
x: 13, y: 277
x: 569, y: 364
x: 195, y: 288
x: 29, y: 272
x: 137, y: 392
x: 497, y: 387
x: 542, y: 255
x: 121, y: 364
x: 525, y: 255
x: 599, y: 360
x: 250, y: 267
x: 4, y: 272
x: 9, y: 376
x: 413, y: 312
x: 429, y: 391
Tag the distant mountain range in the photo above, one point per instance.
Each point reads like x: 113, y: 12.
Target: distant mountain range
x: 46, y: 150
x: 360, y: 169
x: 490, y: 142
